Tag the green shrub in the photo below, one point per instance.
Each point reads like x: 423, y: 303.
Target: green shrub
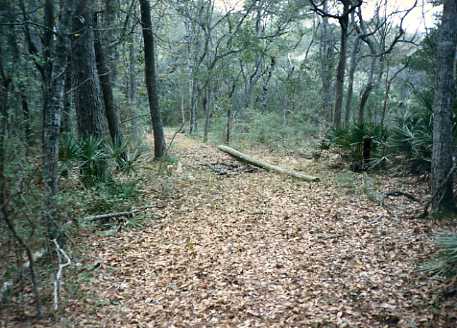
x: 125, y: 157
x: 93, y: 157
x: 413, y: 136
x: 111, y: 196
x: 351, y: 139
x: 444, y: 264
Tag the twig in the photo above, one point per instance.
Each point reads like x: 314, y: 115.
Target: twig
x: 174, y: 136
x: 20, y: 240
x: 58, y: 277
x: 400, y: 194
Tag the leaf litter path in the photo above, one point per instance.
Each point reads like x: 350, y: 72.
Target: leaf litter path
x: 260, y: 250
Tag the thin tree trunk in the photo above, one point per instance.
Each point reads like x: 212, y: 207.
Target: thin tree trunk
x: 112, y: 114
x: 229, y: 113
x: 264, y: 96
x: 385, y: 103
x: 443, y: 104
x: 326, y: 59
x: 27, y: 118
x: 350, y: 91
x: 111, y: 51
x: 193, y: 108
x: 207, y: 111
x: 59, y: 55
x: 367, y: 91
x: 151, y: 79
x: 66, y: 113
x: 340, y: 71
x: 131, y: 92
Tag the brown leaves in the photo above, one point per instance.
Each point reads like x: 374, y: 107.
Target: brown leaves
x: 260, y: 250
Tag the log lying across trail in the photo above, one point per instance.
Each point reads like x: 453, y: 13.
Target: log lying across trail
x: 109, y: 216
x: 269, y: 167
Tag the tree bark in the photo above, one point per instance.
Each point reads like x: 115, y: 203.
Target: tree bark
x: 66, y: 113
x: 59, y: 55
x: 151, y: 79
x: 443, y: 104
x: 88, y: 103
x: 326, y: 55
x: 366, y: 92
x: 111, y: 50
x: 341, y: 68
x: 135, y: 124
x: 350, y: 91
x: 87, y: 96
x: 104, y: 74
x: 207, y: 111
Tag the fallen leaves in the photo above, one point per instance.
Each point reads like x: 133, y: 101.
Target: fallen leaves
x: 260, y: 250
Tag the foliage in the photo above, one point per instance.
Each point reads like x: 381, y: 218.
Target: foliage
x: 351, y: 138
x: 89, y: 153
x: 92, y: 160
x: 412, y: 136
x: 125, y: 157
x: 444, y: 263
x: 111, y: 195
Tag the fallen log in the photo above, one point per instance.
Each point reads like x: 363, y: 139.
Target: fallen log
x: 269, y: 167
x: 109, y: 216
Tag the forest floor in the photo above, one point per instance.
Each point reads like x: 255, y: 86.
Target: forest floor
x: 249, y: 248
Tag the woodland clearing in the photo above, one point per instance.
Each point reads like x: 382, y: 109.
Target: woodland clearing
x: 233, y: 246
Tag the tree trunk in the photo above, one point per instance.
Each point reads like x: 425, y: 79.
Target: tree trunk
x: 59, y: 55
x: 367, y: 91
x: 111, y: 34
x: 326, y: 63
x: 27, y: 117
x: 230, y: 107
x: 385, y: 103
x: 135, y: 123
x: 350, y: 91
x: 151, y: 79
x: 341, y: 69
x: 88, y: 103
x: 5, y: 83
x: 66, y: 113
x: 264, y: 96
x: 112, y: 114
x: 193, y: 108
x: 207, y: 111
x: 443, y: 104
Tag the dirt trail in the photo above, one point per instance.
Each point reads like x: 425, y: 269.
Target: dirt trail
x: 256, y: 249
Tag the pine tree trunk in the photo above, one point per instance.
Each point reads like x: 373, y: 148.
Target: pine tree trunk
x: 443, y: 104
x: 151, y: 79
x: 88, y: 103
